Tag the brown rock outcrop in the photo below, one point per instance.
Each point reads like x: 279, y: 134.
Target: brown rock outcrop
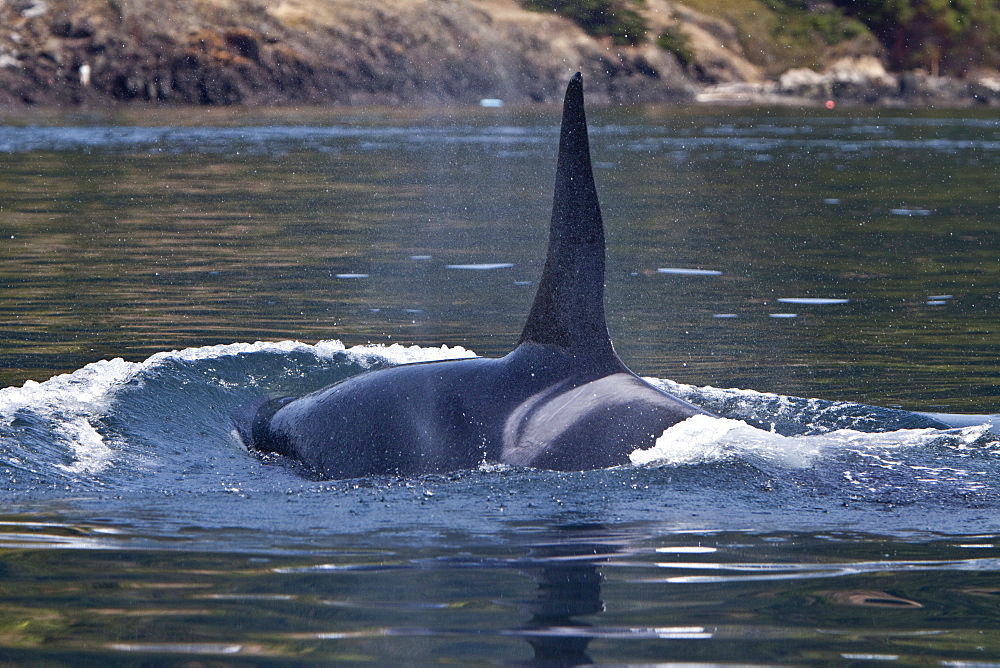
x: 313, y: 51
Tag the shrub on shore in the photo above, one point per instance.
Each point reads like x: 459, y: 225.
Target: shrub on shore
x: 941, y: 36
x: 617, y: 19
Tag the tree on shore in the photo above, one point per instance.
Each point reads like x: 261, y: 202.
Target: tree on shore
x: 617, y: 19
x: 941, y: 36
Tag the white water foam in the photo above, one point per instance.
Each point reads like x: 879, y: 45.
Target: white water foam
x: 744, y: 401
x: 74, y: 404
x: 72, y: 401
x: 366, y: 355
x: 90, y: 453
x: 67, y: 401
x: 90, y: 388
x: 704, y: 439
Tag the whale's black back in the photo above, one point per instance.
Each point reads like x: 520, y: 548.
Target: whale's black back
x: 561, y: 399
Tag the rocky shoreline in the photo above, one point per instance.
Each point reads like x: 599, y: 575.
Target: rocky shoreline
x: 860, y: 82
x: 101, y: 53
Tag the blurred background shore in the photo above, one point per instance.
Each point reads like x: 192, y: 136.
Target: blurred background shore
x: 105, y: 53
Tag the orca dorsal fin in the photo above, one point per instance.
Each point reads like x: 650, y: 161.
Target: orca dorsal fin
x: 568, y: 310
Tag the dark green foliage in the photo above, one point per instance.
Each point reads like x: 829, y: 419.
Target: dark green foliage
x: 616, y: 19
x: 944, y: 36
x: 798, y: 22
x: 677, y: 43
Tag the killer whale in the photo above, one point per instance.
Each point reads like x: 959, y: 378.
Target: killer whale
x: 562, y: 399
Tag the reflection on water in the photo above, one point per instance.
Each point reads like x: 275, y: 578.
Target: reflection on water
x: 566, y: 595
x: 128, y: 240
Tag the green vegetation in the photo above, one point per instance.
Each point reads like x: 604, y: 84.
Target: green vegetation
x: 616, y: 19
x: 943, y: 36
x: 777, y: 35
x: 677, y: 43
x: 801, y: 23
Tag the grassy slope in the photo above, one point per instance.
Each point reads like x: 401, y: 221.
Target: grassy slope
x: 777, y: 41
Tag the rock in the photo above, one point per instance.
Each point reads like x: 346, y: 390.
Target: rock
x: 803, y: 82
x: 862, y: 80
x: 364, y: 52
x: 921, y: 89
x: 764, y: 93
x: 985, y: 88
x: 859, y: 80
x: 865, y: 81
x: 314, y: 51
x: 861, y: 69
x: 719, y: 56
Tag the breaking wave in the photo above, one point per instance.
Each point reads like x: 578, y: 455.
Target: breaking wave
x: 166, y: 424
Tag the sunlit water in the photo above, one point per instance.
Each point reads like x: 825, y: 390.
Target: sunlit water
x: 819, y: 264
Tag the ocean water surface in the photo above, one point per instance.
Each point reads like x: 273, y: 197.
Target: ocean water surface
x: 816, y: 278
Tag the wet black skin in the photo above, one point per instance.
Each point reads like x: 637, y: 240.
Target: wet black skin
x: 562, y: 399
